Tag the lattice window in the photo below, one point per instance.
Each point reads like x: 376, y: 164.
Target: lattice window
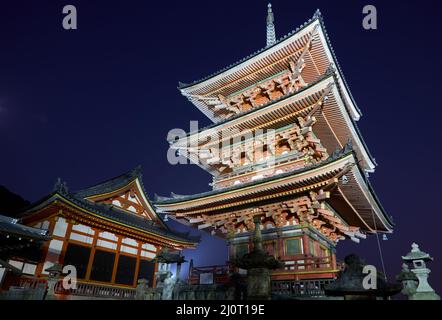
x: 292, y: 247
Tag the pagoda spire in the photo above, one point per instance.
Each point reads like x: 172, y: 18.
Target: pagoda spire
x: 271, y: 35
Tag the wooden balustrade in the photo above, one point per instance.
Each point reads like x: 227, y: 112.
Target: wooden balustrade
x: 31, y: 283
x: 220, y: 276
x: 98, y: 291
x: 22, y: 281
x: 300, y: 263
x: 308, y: 263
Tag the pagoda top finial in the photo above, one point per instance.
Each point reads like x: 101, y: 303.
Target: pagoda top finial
x: 317, y: 14
x: 271, y: 34
x: 270, y: 17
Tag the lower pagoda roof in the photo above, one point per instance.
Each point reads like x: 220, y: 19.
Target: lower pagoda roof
x: 357, y: 196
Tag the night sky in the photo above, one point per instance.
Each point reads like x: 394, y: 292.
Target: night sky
x: 89, y: 104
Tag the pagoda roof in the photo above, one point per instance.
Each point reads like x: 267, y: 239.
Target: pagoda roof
x: 11, y: 226
x: 182, y: 198
x: 278, y: 47
x: 258, y: 108
x: 328, y: 77
x: 301, y: 178
x: 81, y: 201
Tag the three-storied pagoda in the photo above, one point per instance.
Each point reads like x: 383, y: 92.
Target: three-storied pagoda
x: 307, y: 181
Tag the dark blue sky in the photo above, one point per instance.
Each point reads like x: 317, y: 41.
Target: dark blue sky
x: 92, y: 103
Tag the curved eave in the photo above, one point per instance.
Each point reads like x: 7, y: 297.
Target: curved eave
x: 295, y: 34
x: 65, y: 199
x: 359, y: 195
x: 349, y: 129
x: 187, y: 202
x: 361, y: 198
x: 139, y: 184
x: 354, y: 109
x: 241, y: 116
x: 265, y: 52
x: 356, y: 135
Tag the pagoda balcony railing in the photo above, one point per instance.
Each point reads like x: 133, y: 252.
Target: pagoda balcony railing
x: 294, y: 264
x: 308, y: 263
x: 97, y: 291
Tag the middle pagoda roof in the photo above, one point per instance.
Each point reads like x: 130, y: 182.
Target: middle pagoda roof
x: 334, y: 126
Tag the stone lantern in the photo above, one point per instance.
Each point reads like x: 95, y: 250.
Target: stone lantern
x: 258, y: 264
x: 54, y: 275
x: 409, y: 281
x: 418, y: 259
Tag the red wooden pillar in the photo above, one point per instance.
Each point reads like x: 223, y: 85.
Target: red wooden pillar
x: 137, y: 264
x: 117, y: 257
x: 92, y: 255
x: 154, y: 281
x: 65, y: 242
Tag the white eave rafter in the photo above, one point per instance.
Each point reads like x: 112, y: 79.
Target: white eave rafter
x: 369, y: 164
x: 202, y: 106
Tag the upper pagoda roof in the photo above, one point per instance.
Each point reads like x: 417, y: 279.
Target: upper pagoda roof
x: 274, y: 59
x: 88, y: 201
